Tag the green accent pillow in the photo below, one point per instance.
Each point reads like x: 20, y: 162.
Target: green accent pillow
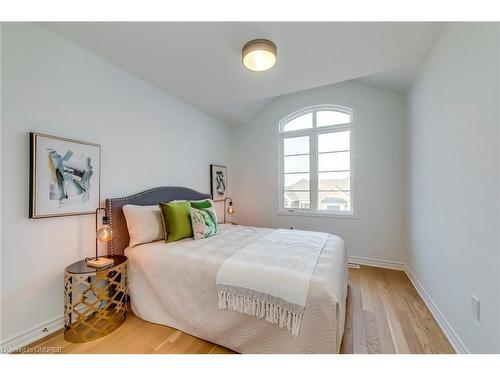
x: 203, y: 219
x: 176, y: 220
x: 204, y: 223
x: 201, y: 204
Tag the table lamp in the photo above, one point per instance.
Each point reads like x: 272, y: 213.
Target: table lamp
x: 230, y: 209
x: 103, y: 234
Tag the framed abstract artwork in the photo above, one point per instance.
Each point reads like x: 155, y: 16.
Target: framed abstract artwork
x: 65, y: 176
x: 218, y: 182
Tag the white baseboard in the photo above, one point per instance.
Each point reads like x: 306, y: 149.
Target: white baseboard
x: 445, y: 326
x: 377, y: 263
x: 36, y: 333
x: 31, y: 335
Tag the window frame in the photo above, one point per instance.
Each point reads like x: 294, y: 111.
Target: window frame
x: 313, y: 134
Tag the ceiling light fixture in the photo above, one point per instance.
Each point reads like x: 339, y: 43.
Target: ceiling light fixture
x: 259, y: 54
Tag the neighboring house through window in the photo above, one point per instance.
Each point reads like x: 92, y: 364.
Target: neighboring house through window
x: 315, y: 161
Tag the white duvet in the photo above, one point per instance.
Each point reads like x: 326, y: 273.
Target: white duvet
x: 175, y: 284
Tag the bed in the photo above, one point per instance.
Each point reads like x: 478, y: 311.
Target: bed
x: 174, y: 284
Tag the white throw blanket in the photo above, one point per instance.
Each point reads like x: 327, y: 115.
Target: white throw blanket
x: 270, y: 277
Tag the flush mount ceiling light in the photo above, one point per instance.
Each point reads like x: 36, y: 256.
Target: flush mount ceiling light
x: 259, y: 54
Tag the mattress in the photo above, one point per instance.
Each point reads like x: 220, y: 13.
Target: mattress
x: 174, y: 284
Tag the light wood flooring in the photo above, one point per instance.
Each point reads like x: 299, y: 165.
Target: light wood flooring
x: 384, y: 315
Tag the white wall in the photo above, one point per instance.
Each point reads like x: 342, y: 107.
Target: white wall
x: 148, y: 137
x: 454, y: 174
x: 379, y: 230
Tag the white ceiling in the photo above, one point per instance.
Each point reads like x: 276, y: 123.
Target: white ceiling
x: 397, y: 81
x: 201, y: 62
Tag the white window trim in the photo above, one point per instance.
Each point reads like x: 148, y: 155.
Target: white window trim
x: 313, y: 155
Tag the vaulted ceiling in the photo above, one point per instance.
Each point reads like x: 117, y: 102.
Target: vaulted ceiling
x: 201, y: 62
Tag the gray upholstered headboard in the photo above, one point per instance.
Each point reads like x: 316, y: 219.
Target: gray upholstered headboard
x: 146, y: 198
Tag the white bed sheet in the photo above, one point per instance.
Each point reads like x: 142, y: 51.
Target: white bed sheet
x: 174, y: 284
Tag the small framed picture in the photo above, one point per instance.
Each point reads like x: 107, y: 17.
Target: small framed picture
x: 218, y: 182
x: 65, y: 176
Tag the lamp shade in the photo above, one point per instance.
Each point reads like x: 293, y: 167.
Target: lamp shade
x: 259, y: 54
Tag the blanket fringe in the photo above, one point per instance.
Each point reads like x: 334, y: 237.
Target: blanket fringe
x: 273, y: 313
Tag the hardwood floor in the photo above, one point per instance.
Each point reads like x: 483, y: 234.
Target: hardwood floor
x: 384, y: 315
x: 135, y: 336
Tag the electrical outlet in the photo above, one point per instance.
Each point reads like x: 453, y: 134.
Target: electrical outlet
x: 476, y: 308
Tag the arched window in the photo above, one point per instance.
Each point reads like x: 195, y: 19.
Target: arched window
x: 315, y: 161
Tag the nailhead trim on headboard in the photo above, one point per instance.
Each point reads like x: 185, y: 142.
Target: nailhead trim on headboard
x: 144, y: 198
x: 110, y: 216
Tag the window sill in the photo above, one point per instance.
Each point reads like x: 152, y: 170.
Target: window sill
x: 317, y: 214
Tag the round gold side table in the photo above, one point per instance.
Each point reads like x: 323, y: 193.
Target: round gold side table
x: 95, y: 300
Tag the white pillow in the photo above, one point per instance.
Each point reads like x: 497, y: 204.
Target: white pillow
x: 144, y: 223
